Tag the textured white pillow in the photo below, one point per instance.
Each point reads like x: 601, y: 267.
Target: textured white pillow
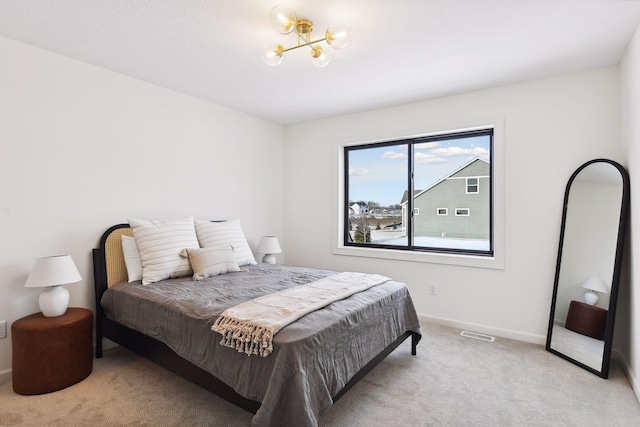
x: 225, y: 233
x: 131, y: 258
x: 211, y: 261
x: 159, y: 244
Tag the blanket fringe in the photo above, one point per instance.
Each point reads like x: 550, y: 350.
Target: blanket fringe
x: 244, y: 336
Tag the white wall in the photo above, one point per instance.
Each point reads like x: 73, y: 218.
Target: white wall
x: 628, y: 317
x: 551, y: 127
x: 82, y: 148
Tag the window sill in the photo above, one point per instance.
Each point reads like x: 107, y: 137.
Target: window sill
x: 493, y: 262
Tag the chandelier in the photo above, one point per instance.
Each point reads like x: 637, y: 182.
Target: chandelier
x: 285, y: 21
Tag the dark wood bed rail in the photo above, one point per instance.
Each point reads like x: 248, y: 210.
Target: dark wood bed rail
x: 162, y: 355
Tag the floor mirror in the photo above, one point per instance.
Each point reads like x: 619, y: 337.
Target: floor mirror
x: 592, y: 234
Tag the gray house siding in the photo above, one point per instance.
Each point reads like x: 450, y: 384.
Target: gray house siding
x: 477, y: 168
x: 451, y: 194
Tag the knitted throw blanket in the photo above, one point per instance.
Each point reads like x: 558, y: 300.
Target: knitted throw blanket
x: 249, y: 327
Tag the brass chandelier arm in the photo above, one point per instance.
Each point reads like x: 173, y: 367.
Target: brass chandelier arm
x: 304, y: 44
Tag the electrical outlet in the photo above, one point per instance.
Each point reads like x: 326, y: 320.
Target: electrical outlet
x: 3, y: 329
x: 432, y: 289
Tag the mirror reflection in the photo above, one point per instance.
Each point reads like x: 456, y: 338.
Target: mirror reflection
x: 587, y: 274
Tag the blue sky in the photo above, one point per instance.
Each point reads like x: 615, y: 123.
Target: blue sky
x: 380, y: 174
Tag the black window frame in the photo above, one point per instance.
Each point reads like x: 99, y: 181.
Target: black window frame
x: 410, y: 143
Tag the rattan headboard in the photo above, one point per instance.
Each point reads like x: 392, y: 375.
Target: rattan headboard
x: 108, y: 260
x: 114, y: 258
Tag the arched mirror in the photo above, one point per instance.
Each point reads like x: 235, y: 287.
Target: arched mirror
x: 592, y: 236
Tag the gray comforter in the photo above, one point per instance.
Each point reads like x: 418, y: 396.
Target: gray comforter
x: 313, y: 358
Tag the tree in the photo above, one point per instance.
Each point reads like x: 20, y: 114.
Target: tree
x: 363, y: 232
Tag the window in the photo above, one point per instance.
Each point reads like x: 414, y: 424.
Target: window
x: 473, y: 186
x: 397, y: 179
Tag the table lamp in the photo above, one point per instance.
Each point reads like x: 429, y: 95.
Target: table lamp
x: 53, y: 272
x: 269, y: 246
x: 593, y: 285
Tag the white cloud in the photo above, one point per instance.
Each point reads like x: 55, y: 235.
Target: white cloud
x: 428, y: 158
x: 392, y: 155
x: 459, y: 151
x: 427, y: 145
x: 481, y: 152
x: 452, y: 151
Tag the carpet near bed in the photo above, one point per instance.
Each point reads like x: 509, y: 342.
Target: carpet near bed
x: 452, y: 381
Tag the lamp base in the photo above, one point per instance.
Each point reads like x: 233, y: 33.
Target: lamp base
x: 590, y: 298
x: 269, y: 259
x: 54, y: 301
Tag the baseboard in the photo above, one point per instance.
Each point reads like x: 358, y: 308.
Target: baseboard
x: 474, y: 327
x: 4, y: 375
x: 631, y: 376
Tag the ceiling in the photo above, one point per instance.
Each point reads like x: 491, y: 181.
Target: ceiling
x: 401, y: 51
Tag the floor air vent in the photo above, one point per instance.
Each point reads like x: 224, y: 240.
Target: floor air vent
x: 477, y: 336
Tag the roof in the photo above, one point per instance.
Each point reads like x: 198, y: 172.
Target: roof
x: 417, y: 193
x: 404, y: 196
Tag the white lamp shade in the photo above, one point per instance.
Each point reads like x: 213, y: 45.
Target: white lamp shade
x: 269, y: 246
x: 53, y: 272
x: 595, y: 284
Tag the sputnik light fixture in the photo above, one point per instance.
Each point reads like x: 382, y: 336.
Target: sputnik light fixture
x: 285, y: 21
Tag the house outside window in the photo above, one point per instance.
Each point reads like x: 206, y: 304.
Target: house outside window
x: 442, y: 172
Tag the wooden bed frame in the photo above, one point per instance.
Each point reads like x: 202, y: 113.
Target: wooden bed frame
x: 109, y: 269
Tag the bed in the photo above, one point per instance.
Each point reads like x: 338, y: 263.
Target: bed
x: 315, y: 360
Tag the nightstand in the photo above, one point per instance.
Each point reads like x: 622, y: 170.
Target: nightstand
x: 587, y: 319
x: 51, y: 353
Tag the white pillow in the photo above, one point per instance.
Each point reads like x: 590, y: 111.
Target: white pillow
x: 211, y: 261
x: 131, y: 258
x: 225, y: 233
x: 159, y: 245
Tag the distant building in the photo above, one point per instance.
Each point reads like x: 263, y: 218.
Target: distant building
x: 458, y: 205
x: 359, y: 208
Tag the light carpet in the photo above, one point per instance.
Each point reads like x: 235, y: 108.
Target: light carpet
x: 453, y: 381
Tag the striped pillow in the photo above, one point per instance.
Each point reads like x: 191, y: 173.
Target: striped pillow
x: 225, y: 233
x: 211, y: 261
x: 159, y: 244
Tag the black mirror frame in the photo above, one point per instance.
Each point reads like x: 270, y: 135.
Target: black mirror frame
x: 613, y: 299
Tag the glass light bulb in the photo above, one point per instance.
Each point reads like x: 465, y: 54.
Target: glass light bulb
x: 319, y: 57
x: 338, y: 36
x: 273, y: 54
x: 283, y: 20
